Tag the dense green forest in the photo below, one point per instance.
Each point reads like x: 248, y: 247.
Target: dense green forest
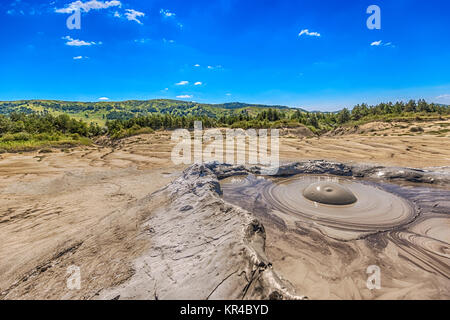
x: 23, y: 127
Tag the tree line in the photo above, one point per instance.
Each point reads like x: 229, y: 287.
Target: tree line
x: 382, y: 111
x: 37, y: 123
x: 44, y: 122
x: 279, y: 118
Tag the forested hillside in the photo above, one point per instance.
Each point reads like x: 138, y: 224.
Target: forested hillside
x: 27, y: 124
x: 100, y: 112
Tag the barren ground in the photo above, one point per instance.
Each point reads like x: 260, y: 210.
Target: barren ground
x: 72, y: 207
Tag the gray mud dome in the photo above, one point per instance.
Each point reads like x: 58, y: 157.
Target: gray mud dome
x: 209, y: 245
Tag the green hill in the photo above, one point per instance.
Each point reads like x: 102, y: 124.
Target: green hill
x: 99, y: 112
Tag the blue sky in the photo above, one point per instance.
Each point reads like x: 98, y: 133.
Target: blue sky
x: 314, y: 54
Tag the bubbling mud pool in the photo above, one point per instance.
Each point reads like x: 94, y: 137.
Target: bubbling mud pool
x: 342, y: 208
x: 321, y: 239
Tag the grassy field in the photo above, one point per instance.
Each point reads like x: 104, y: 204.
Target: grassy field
x: 26, y: 142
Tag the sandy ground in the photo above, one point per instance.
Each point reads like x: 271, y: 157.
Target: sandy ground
x: 74, y: 207
x: 415, y: 152
x: 71, y: 208
x: 390, y: 144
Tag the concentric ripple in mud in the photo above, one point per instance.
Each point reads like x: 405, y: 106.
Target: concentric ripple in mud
x: 374, y: 210
x: 324, y: 250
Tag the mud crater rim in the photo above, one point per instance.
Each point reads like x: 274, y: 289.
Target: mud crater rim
x: 379, y: 206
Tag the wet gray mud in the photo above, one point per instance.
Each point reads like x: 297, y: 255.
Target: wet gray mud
x: 229, y: 232
x: 400, y: 222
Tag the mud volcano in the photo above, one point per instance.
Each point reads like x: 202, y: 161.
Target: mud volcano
x: 229, y: 232
x: 327, y: 222
x: 351, y: 208
x: 329, y: 193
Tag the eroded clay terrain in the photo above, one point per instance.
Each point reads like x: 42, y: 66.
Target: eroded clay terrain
x: 118, y: 213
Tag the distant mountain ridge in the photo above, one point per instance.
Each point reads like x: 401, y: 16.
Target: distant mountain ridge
x: 237, y: 105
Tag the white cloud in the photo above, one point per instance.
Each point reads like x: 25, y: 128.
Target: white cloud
x: 228, y: 94
x: 78, y: 43
x: 133, y: 14
x: 129, y: 14
x: 103, y: 98
x: 142, y: 41
x: 78, y: 57
x: 88, y: 6
x: 443, y: 97
x: 185, y: 96
x: 182, y: 83
x: 198, y: 83
x: 381, y: 43
x: 214, y: 67
x: 168, y: 41
x: 19, y: 7
x: 311, y: 34
x: 196, y: 65
x: 166, y: 13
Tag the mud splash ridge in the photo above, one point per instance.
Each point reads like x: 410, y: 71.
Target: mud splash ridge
x: 235, y: 245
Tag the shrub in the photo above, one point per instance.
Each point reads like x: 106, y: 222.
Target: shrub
x: 47, y: 137
x: 8, y: 137
x: 416, y: 129
x: 21, y: 136
x: 133, y: 131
